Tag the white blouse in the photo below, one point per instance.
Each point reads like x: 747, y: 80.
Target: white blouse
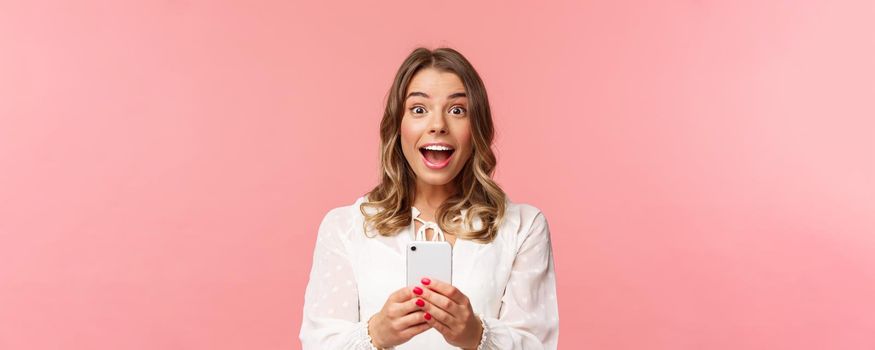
x: 510, y: 282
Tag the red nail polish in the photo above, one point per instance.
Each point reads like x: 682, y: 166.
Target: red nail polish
x: 420, y: 303
x: 417, y: 290
x: 427, y: 316
x: 426, y: 281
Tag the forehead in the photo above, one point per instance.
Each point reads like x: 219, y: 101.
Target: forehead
x: 435, y: 82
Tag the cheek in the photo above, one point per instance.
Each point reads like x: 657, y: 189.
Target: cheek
x: 406, y: 130
x: 463, y: 136
x: 409, y: 135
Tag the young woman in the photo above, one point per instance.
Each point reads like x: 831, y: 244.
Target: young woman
x: 436, y: 137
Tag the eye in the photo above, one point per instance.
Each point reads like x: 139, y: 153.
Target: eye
x: 417, y: 110
x: 457, y: 110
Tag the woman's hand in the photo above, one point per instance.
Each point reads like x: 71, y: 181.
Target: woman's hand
x: 450, y: 312
x: 399, y: 320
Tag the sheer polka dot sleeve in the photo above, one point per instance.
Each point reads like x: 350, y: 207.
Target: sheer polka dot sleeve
x: 331, y: 309
x: 529, y: 314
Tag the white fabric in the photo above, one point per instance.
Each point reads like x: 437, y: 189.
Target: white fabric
x: 437, y: 233
x: 510, y: 281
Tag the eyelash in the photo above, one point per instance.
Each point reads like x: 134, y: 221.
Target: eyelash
x: 454, y: 107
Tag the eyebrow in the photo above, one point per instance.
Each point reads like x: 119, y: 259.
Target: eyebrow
x: 422, y: 94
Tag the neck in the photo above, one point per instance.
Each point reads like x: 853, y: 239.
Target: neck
x: 428, y: 197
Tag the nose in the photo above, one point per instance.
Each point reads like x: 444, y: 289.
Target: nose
x: 437, y: 126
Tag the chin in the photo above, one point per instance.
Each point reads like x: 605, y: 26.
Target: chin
x: 435, y: 179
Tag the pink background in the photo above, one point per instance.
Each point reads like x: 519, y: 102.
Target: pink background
x: 707, y: 168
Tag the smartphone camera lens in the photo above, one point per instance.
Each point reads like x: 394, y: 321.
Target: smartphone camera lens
x: 413, y: 248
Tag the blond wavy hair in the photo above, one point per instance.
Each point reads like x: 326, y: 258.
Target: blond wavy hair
x: 476, y: 191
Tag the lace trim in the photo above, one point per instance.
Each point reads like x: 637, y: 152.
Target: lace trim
x: 484, y: 339
x: 366, y: 337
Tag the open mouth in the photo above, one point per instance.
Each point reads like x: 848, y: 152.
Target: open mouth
x: 436, y: 156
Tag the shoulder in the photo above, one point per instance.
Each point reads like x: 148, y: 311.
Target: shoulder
x: 524, y: 214
x: 525, y: 210
x: 342, y: 219
x: 524, y: 221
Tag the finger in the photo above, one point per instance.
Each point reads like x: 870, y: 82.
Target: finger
x: 439, y: 314
x: 411, y: 319
x: 414, y: 330
x: 401, y: 295
x: 447, y: 290
x: 439, y: 301
x: 403, y: 308
x: 442, y: 328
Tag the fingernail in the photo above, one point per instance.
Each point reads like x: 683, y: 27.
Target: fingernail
x: 417, y: 290
x: 427, y: 316
x: 426, y: 281
x: 420, y: 303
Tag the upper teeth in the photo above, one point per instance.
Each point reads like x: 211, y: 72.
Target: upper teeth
x: 437, y: 148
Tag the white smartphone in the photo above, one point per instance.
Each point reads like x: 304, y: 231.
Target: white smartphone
x: 429, y: 259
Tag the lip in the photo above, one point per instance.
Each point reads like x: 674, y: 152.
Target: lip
x: 437, y: 144
x: 436, y: 166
